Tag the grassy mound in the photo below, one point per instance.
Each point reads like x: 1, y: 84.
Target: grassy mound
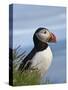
x: 28, y: 77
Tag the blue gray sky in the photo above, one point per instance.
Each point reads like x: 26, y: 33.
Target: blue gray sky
x: 27, y: 18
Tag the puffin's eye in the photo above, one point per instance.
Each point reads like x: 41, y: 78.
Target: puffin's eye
x: 45, y: 32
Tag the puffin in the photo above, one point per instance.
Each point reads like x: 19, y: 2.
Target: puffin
x: 41, y: 55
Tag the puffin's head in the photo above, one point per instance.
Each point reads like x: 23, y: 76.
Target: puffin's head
x: 44, y: 35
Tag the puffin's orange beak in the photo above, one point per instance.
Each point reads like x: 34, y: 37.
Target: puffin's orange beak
x: 52, y: 38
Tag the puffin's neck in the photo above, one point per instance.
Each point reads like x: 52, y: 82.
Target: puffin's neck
x: 39, y: 46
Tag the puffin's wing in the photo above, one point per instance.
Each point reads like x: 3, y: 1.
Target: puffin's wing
x: 26, y: 63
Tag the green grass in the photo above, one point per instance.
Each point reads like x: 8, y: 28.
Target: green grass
x: 28, y: 77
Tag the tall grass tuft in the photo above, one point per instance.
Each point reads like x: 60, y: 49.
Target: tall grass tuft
x: 27, y: 77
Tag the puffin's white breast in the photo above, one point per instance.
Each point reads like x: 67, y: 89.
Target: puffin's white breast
x: 42, y: 60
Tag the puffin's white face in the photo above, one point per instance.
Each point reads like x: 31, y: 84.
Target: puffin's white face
x: 46, y: 36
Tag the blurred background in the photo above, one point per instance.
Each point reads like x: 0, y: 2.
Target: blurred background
x: 27, y: 18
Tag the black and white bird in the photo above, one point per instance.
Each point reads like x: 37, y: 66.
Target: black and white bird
x: 41, y: 55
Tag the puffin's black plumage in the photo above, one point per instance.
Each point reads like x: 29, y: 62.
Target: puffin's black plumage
x: 38, y: 46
